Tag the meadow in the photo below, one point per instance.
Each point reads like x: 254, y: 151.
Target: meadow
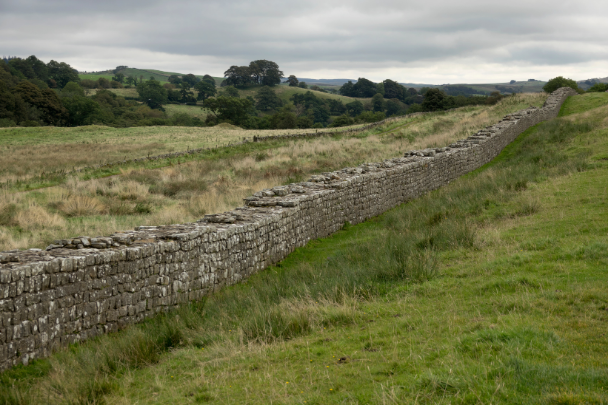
x: 489, y: 290
x: 100, y: 202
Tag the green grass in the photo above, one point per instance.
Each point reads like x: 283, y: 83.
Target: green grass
x: 194, y: 111
x: 490, y: 290
x: 285, y: 93
x: 584, y: 102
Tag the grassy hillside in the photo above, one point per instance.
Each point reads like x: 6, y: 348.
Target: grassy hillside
x: 490, y: 290
x: 159, y: 75
x: 285, y: 93
x: 179, y: 190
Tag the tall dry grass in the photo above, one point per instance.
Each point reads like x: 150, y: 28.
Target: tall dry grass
x: 184, y: 193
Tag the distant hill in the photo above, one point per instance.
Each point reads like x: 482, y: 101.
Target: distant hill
x: 587, y: 83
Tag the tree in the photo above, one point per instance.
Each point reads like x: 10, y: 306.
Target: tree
x: 187, y: 95
x: 342, y: 121
x: 433, y: 100
x: 130, y: 80
x: 103, y: 83
x: 598, y: 87
x: 267, y: 99
x: 347, y: 89
x: 558, y: 82
x: 190, y: 79
x: 336, y: 107
x: 205, y: 89
x: 61, y: 73
x: 395, y: 107
x: 364, y: 88
x: 71, y: 89
x: 119, y: 77
x: 285, y: 118
x: 152, y: 93
x: 237, y: 76
x: 230, y: 91
x: 292, y: 80
x: 176, y: 80
x: 303, y: 85
x: 22, y: 66
x: 232, y: 109
x: 209, y: 79
x: 46, y: 102
x: 393, y: 90
x: 263, y: 72
x: 116, y: 85
x: 378, y: 102
x: 39, y: 67
x: 354, y: 108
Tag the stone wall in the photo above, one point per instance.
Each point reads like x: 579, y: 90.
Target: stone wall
x: 82, y: 287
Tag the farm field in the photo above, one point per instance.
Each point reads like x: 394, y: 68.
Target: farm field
x: 180, y: 190
x: 490, y: 290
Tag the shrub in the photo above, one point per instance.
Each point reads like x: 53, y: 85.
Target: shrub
x: 598, y: 87
x: 558, y: 82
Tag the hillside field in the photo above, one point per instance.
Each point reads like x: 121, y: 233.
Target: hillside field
x: 490, y: 290
x: 36, y: 210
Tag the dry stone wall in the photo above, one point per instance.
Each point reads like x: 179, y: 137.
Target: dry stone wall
x: 82, y: 287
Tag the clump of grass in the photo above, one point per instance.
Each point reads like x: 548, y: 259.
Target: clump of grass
x: 77, y: 206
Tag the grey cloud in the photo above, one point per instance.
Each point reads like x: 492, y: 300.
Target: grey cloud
x: 372, y: 36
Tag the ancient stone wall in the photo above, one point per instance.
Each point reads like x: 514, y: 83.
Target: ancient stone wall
x: 82, y: 287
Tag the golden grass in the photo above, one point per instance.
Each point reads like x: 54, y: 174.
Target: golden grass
x: 184, y: 193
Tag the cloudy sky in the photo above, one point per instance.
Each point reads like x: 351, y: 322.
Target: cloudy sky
x: 431, y: 41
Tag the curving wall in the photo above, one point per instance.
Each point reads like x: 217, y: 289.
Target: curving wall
x: 81, y: 287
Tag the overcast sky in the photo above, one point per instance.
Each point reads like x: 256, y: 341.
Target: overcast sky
x: 430, y: 41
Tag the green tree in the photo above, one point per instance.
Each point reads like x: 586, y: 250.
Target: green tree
x: 131, y: 81
x: 598, y: 87
x: 103, y: 83
x: 205, y: 89
x: 364, y: 88
x: 336, y: 107
x: 176, y: 80
x: 190, y: 79
x: 153, y: 94
x: 209, y: 79
x: 342, y: 121
x: 263, y: 72
x: 60, y: 73
x: 231, y: 109
x: 558, y: 82
x: 46, y: 102
x: 231, y: 91
x: 292, y: 80
x: 23, y: 67
x: 303, y: 85
x: 237, y: 76
x: 378, y: 102
x: 71, y: 89
x: 433, y: 100
x: 347, y: 89
x: 394, y: 107
x: 285, y: 118
x: 354, y: 108
x: 267, y: 99
x: 119, y: 77
x: 393, y: 90
x: 39, y: 67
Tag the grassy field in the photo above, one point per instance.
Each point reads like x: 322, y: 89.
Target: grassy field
x: 172, y: 191
x: 523, y: 86
x: 194, y: 111
x: 490, y: 290
x: 159, y: 75
x: 131, y: 92
x: 285, y: 93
